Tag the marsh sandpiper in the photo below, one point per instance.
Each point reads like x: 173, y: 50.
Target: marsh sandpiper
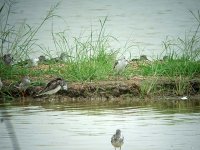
x: 117, y: 139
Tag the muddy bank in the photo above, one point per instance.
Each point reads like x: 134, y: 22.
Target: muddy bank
x: 103, y: 91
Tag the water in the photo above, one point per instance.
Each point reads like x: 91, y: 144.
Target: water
x: 77, y: 127
x: 143, y: 23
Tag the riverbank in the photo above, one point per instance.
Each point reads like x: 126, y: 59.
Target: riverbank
x: 123, y: 91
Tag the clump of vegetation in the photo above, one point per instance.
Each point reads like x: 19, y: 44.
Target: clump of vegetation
x: 88, y: 59
x: 181, y: 63
x: 181, y: 86
x: 182, y: 59
x: 18, y: 40
x: 148, y: 87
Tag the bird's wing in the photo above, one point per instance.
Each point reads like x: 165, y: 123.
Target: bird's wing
x: 51, y: 85
x: 113, y: 138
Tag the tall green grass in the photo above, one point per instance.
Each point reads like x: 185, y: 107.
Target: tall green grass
x: 173, y: 67
x: 183, y: 56
x: 18, y: 40
x: 90, y: 58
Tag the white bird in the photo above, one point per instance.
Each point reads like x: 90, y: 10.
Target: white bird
x: 184, y: 98
x: 117, y: 139
x: 1, y: 84
x: 24, y: 84
x: 53, y: 87
x: 120, y: 65
x: 33, y: 62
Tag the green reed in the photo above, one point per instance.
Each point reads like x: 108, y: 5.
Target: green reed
x: 183, y: 56
x: 18, y: 40
x: 90, y: 58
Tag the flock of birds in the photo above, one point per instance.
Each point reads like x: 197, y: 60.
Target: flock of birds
x: 32, y: 62
x: 56, y: 84
x: 51, y: 88
x: 119, y: 65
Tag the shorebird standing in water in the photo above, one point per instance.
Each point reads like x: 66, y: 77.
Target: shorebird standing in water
x: 120, y: 65
x: 53, y: 87
x: 117, y: 139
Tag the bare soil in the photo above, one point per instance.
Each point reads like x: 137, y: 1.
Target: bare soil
x: 120, y: 91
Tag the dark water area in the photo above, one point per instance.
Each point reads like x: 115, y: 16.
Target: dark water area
x: 78, y: 127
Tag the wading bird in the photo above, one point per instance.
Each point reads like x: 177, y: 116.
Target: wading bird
x: 117, y: 139
x: 120, y: 65
x: 33, y: 62
x: 53, y: 87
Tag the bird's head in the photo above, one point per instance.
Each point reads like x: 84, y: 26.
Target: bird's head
x: 63, y: 84
x: 118, y: 132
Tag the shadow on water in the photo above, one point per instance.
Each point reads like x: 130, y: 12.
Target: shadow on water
x: 5, y: 118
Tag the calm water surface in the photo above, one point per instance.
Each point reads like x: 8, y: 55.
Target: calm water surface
x: 143, y: 23
x: 91, y: 127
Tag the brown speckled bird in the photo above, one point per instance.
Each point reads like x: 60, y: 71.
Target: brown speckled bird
x: 53, y: 87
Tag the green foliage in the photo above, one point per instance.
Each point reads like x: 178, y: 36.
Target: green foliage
x: 173, y: 67
x: 181, y: 85
x: 89, y: 58
x: 90, y: 69
x: 182, y: 54
x: 148, y: 86
x: 19, y: 39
